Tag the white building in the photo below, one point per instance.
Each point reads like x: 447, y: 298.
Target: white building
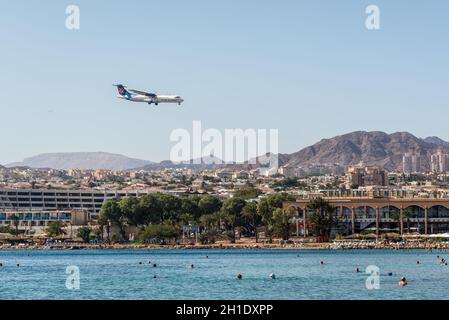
x: 439, y: 162
x: 411, y: 163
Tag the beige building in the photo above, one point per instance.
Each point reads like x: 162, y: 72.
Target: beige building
x: 29, y: 219
x: 381, y: 214
x: 366, y: 176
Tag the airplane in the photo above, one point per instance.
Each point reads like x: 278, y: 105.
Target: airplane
x: 142, y: 96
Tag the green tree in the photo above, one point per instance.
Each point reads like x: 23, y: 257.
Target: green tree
x: 232, y: 209
x: 132, y: 211
x: 111, y: 213
x: 152, y: 209
x: 268, y: 205
x: 396, y: 216
x: 322, y: 218
x: 286, y: 183
x: 250, y: 213
x: 84, y: 233
x: 281, y: 224
x: 210, y: 204
x: 159, y: 232
x: 55, y: 228
x: 247, y: 193
x: 15, y: 219
x: 209, y: 221
x: 189, y: 206
x: 8, y: 229
x: 406, y: 214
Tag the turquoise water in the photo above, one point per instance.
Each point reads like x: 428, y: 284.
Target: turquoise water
x: 299, y: 274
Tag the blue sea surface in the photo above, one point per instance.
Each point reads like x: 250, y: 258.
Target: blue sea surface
x: 299, y: 274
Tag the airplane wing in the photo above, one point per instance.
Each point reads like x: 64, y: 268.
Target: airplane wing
x: 142, y: 93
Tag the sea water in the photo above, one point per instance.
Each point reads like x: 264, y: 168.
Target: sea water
x: 115, y: 274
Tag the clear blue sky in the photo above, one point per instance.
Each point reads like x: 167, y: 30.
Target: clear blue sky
x: 308, y: 68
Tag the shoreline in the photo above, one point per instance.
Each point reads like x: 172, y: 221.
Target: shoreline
x: 252, y: 247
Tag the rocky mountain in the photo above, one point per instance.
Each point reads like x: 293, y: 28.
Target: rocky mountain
x: 371, y: 148
x: 438, y: 141
x: 81, y: 160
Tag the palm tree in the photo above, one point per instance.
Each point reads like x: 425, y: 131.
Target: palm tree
x: 322, y: 219
x: 396, y: 215
x: 15, y: 220
x: 407, y: 214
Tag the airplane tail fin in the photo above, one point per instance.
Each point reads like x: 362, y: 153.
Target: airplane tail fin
x: 122, y: 90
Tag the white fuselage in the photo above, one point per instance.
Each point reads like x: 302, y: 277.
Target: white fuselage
x: 156, y: 99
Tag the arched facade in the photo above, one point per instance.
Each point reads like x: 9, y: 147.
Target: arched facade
x: 361, y: 214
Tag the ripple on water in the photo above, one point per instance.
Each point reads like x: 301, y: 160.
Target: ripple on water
x: 299, y: 274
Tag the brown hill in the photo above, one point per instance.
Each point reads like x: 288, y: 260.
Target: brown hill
x: 371, y: 148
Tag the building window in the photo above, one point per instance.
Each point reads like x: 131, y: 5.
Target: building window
x: 65, y: 216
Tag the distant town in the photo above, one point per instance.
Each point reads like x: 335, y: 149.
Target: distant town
x: 362, y: 184
x: 39, y: 196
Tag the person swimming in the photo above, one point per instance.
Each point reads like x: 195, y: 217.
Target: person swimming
x: 390, y: 274
x: 357, y: 270
x: 154, y: 265
x: 403, y: 282
x: 192, y: 266
x: 239, y: 276
x: 322, y: 262
x: 273, y: 276
x: 417, y: 262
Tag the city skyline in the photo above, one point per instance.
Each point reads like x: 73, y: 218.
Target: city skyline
x: 309, y: 61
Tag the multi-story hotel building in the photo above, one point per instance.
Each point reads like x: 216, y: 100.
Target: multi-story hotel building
x: 89, y: 201
x: 439, y: 162
x: 411, y: 163
x: 29, y: 219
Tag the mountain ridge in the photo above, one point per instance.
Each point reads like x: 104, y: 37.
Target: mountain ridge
x: 81, y: 160
x: 369, y: 147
